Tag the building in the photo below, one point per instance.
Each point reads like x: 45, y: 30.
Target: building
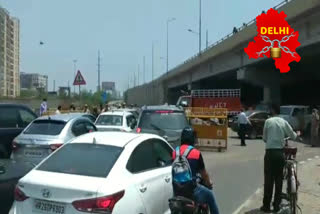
x: 9, y: 55
x: 34, y: 82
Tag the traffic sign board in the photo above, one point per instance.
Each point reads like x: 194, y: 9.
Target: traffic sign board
x: 104, y: 96
x: 79, y: 80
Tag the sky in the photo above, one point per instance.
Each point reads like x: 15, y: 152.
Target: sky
x: 123, y: 31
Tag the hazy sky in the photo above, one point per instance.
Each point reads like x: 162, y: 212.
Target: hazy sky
x: 123, y: 31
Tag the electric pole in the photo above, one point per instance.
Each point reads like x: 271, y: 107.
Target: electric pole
x: 138, y: 74
x: 152, y: 61
x: 74, y: 74
x: 144, y: 69
x: 207, y: 43
x: 199, y: 26
x: 99, y: 88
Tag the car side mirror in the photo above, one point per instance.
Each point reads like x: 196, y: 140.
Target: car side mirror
x: 2, y: 169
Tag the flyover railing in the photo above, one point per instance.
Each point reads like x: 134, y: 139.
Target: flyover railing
x: 226, y: 37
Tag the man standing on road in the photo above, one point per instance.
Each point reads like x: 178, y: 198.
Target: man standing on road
x: 275, y: 131
x: 43, y: 107
x: 243, y: 122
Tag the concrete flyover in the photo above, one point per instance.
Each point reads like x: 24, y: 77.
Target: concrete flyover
x: 226, y: 65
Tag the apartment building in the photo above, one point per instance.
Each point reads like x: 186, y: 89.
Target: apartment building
x: 34, y: 81
x: 9, y: 55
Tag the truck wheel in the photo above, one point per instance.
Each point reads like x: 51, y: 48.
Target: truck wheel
x: 253, y: 134
x: 3, y: 152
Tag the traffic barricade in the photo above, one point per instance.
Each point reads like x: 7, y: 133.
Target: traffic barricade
x: 211, y: 126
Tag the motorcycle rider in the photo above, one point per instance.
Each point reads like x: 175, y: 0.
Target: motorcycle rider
x: 201, y: 193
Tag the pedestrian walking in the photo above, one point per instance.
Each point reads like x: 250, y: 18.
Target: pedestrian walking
x: 243, y: 123
x: 72, y: 108
x: 314, y: 127
x: 58, y: 111
x: 275, y: 131
x: 43, y: 107
x: 95, y: 111
x: 86, y: 109
x: 106, y: 108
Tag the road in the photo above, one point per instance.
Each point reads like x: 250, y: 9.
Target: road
x: 238, y: 172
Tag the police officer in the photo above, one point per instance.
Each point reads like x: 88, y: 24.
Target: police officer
x: 275, y: 131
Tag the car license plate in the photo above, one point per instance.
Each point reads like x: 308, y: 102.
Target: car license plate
x: 49, y: 207
x: 33, y: 153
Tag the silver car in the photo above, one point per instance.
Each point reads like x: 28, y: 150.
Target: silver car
x: 46, y: 134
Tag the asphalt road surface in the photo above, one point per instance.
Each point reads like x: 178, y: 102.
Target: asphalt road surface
x: 238, y: 172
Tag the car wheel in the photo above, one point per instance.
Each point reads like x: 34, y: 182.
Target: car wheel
x: 3, y: 152
x: 253, y: 134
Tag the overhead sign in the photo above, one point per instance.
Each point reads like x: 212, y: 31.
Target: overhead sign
x: 79, y: 80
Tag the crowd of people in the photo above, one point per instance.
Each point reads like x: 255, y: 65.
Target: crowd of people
x: 94, y: 110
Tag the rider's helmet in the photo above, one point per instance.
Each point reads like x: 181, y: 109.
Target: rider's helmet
x: 188, y: 136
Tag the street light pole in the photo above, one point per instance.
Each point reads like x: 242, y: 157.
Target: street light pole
x: 199, y: 26
x: 168, y: 21
x: 207, y: 43
x: 74, y: 74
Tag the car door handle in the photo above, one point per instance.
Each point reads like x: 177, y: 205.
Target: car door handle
x: 167, y: 179
x: 143, y: 188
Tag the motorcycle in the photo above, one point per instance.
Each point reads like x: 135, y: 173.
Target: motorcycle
x: 187, y: 205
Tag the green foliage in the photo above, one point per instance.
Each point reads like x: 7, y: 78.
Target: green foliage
x: 28, y: 93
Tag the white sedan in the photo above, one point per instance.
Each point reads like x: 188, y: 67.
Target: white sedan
x: 116, y: 121
x: 100, y: 172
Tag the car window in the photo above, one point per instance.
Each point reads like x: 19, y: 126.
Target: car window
x: 285, y: 110
x: 109, y: 120
x: 163, y: 120
x: 90, y: 117
x: 260, y: 116
x: 8, y: 117
x: 297, y: 111
x: 79, y: 128
x: 162, y: 152
x: 130, y: 119
x: 90, y: 127
x: 142, y: 158
x: 45, y: 127
x: 83, y: 159
x: 26, y: 117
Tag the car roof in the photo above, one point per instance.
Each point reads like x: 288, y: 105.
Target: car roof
x: 125, y: 109
x: 117, y: 113
x: 119, y: 139
x: 162, y: 107
x: 62, y: 117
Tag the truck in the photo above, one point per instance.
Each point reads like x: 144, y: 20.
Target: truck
x: 213, y: 98
x: 298, y: 116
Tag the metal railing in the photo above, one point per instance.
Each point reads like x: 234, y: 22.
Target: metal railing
x: 226, y: 37
x: 216, y: 93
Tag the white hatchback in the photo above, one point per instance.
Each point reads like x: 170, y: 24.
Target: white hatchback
x: 100, y: 172
x: 116, y: 121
